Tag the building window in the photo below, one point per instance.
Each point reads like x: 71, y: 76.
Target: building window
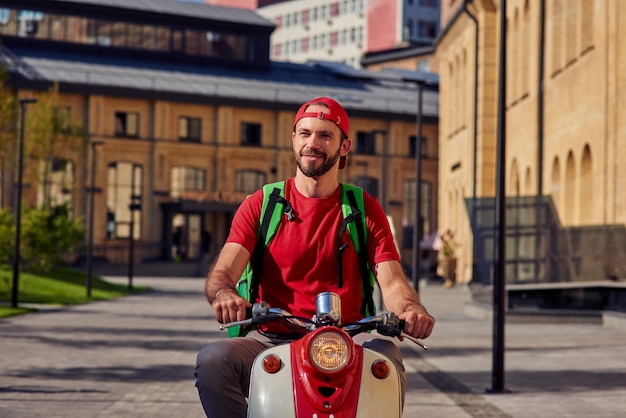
x: 369, y: 184
x: 409, y: 213
x: 57, y: 185
x: 249, y: 181
x: 189, y: 129
x: 127, y: 124
x: 423, y: 143
x: 186, y: 178
x: 426, y: 29
x: 365, y: 143
x: 251, y: 134
x: 124, y: 186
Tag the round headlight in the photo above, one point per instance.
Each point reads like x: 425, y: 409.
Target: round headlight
x: 329, y: 351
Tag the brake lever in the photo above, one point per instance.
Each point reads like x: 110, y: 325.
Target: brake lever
x: 410, y: 338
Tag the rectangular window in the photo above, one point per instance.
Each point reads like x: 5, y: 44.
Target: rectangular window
x: 423, y: 143
x: 251, y: 134
x: 426, y: 29
x: 248, y: 181
x: 333, y: 39
x: 365, y: 143
x: 426, y: 222
x: 189, y: 129
x: 127, y: 124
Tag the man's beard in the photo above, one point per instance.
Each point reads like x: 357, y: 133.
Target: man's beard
x: 312, y: 170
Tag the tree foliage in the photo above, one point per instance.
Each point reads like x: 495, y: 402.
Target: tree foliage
x: 8, y: 118
x: 46, y: 235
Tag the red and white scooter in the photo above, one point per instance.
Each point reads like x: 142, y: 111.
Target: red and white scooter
x: 322, y: 373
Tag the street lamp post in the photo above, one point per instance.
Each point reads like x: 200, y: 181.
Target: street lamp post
x: 18, y: 203
x: 92, y: 191
x: 135, y: 205
x: 415, y: 269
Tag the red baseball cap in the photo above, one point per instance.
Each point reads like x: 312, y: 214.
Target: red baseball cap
x: 336, y: 114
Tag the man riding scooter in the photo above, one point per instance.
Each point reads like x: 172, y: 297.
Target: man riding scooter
x: 302, y: 261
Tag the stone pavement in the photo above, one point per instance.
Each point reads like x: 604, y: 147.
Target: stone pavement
x: 134, y: 357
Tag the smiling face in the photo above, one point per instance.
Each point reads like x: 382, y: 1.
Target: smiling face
x: 318, y: 144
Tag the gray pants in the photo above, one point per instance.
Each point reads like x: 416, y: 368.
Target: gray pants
x: 223, y: 370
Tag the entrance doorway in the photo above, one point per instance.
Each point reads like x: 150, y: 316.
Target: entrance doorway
x: 186, y: 236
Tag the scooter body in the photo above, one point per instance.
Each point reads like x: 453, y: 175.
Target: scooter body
x: 321, y: 372
x: 298, y: 389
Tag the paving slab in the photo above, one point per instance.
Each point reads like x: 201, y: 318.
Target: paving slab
x: 134, y: 357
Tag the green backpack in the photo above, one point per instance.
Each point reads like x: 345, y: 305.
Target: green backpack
x: 274, y: 207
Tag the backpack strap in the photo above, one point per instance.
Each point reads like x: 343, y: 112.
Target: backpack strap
x: 353, y: 210
x: 271, y: 215
x: 272, y: 210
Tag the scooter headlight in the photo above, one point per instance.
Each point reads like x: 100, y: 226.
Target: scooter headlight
x: 329, y: 351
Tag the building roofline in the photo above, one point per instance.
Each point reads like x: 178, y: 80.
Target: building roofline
x: 403, y: 51
x: 160, y: 11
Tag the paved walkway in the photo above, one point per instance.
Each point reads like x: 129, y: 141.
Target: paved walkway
x: 134, y: 357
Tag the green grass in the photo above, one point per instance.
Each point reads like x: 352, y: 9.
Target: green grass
x: 61, y: 286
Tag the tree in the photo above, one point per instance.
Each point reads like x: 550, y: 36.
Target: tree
x: 53, y: 136
x: 8, y: 120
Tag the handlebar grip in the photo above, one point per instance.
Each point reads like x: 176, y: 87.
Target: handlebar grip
x: 401, y: 325
x: 249, y: 312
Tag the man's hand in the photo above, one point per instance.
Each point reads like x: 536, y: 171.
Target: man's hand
x: 229, y: 306
x: 418, y: 322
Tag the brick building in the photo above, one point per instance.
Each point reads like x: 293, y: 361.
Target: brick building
x: 185, y: 115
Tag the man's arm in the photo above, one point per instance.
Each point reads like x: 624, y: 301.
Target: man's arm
x: 400, y: 297
x: 220, y: 284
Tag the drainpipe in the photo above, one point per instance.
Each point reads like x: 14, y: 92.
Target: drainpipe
x: 538, y: 202
x: 542, y: 30
x: 475, y: 134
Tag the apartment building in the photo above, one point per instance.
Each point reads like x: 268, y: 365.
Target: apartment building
x: 343, y: 30
x: 185, y: 115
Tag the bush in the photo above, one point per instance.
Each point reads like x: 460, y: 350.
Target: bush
x: 45, y: 235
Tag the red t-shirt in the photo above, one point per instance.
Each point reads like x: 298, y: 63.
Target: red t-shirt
x: 301, y: 259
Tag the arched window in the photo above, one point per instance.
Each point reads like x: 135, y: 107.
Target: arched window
x: 528, y: 185
x: 555, y: 183
x: 570, y: 190
x: 187, y: 178
x: 124, y: 187
x: 514, y: 180
x: 586, y: 187
x: 57, y: 183
x: 249, y: 181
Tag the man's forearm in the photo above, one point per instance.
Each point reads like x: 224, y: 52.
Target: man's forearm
x: 218, y: 282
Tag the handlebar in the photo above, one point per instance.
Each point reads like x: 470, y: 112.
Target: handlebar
x: 386, y: 323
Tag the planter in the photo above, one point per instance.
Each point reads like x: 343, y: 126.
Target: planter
x: 446, y: 268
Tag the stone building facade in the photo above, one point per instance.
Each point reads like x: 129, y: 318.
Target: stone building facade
x: 564, y: 130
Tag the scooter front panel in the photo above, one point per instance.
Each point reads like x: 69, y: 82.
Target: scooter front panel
x: 271, y: 395
x: 379, y: 397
